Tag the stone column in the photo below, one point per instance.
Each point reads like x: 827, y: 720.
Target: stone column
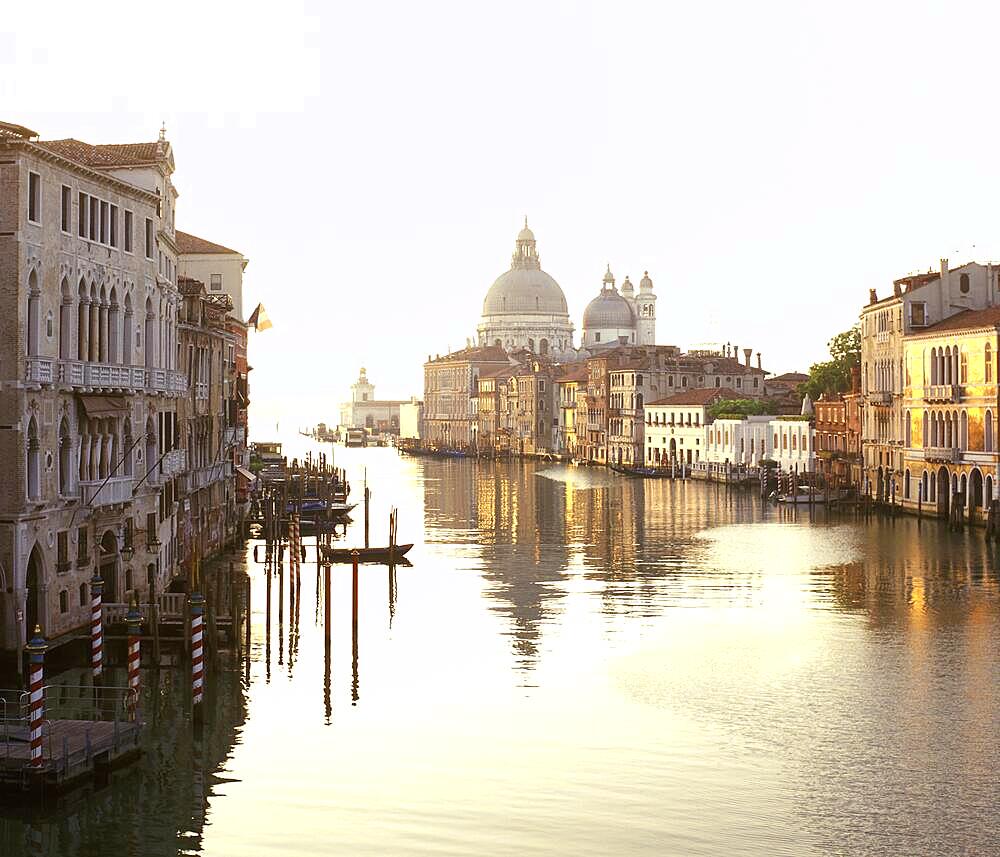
x: 95, y: 331
x: 83, y: 331
x: 102, y: 353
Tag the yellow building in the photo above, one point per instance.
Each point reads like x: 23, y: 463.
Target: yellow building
x: 950, y: 410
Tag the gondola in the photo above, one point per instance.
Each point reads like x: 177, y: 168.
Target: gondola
x: 379, y: 555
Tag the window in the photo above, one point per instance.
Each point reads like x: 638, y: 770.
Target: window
x: 113, y: 240
x: 67, y: 208
x: 62, y: 551
x: 597, y: 337
x: 988, y: 362
x: 127, y: 239
x: 963, y: 284
x: 34, y: 198
x: 82, y: 554
x: 63, y: 601
x: 83, y: 594
x: 718, y: 382
x: 918, y: 314
x: 149, y: 238
x: 684, y: 381
x: 105, y: 223
x: 82, y: 215
x: 95, y: 219
x: 963, y: 368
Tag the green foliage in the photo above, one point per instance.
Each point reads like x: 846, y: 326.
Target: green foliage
x: 834, y: 376
x: 736, y: 409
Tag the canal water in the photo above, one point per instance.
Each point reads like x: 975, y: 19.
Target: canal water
x: 583, y: 663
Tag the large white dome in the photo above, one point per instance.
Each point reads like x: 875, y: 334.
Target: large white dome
x: 525, y: 290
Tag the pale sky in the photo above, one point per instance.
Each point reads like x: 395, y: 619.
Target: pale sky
x: 768, y: 163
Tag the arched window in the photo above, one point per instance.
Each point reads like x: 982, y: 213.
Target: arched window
x: 66, y: 322
x: 909, y: 430
x: 963, y: 284
x: 127, y: 449
x: 963, y: 432
x: 33, y: 462
x: 963, y: 372
x: 988, y: 363
x: 925, y: 439
x: 906, y: 485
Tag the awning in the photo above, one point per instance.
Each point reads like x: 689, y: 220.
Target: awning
x: 246, y: 474
x: 98, y: 407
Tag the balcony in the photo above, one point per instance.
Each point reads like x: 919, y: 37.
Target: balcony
x: 115, y: 490
x: 942, y: 453
x: 236, y: 435
x: 942, y: 393
x: 40, y: 370
x: 882, y: 397
x: 173, y: 464
x: 105, y: 376
x: 204, y: 476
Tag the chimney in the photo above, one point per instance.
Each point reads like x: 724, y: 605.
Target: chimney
x: 736, y: 352
x: 746, y: 356
x: 758, y: 361
x: 944, y: 269
x: 855, y: 379
x: 872, y: 297
x: 897, y: 289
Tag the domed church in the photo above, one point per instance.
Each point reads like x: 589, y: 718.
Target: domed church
x: 526, y: 308
x: 620, y: 318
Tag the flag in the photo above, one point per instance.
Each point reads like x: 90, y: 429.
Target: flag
x: 259, y: 319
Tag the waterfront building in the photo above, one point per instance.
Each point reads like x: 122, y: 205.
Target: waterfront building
x: 738, y: 441
x: 792, y: 444
x: 833, y: 454
x: 675, y: 426
x: 450, y: 383
x: 570, y: 380
x: 206, y: 421
x: 526, y: 308
x: 88, y: 381
x: 950, y: 406
x: 531, y: 404
x: 365, y: 411
x: 411, y: 418
x: 492, y: 415
x: 917, y: 302
x: 218, y: 267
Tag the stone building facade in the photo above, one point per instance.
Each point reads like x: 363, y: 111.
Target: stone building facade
x: 450, y: 383
x: 88, y: 303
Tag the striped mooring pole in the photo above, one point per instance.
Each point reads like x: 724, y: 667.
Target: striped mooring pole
x: 197, y: 653
x: 96, y: 625
x: 133, y: 619
x: 36, y: 659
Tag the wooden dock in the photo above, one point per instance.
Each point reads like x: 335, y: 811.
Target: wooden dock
x: 87, y: 732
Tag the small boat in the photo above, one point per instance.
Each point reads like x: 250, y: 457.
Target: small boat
x: 805, y: 496
x: 312, y: 507
x: 380, y: 555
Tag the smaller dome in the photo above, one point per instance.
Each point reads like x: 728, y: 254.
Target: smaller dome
x: 608, y: 309
x: 645, y: 283
x: 526, y: 234
x: 608, y: 276
x: 627, y: 285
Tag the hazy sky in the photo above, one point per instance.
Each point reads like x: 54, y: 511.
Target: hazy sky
x: 768, y: 163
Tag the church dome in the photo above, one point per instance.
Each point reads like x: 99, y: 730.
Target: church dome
x: 525, y: 289
x: 608, y: 310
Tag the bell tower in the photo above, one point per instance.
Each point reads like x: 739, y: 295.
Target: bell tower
x: 645, y: 310
x: 361, y: 390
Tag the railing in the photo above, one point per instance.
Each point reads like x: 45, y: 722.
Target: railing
x: 942, y: 453
x: 942, y: 393
x: 171, y: 606
x: 206, y: 475
x: 109, y: 376
x: 106, y: 493
x: 40, y: 370
x: 881, y: 397
x: 173, y: 463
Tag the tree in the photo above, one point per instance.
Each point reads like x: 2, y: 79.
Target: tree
x: 737, y: 408
x: 834, y: 376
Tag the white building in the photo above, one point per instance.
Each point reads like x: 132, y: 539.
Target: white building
x: 365, y: 411
x: 792, y: 443
x: 738, y: 441
x: 218, y: 267
x: 675, y: 427
x: 411, y: 417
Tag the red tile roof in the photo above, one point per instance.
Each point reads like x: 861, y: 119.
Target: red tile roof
x: 188, y: 243
x: 967, y: 320
x: 107, y: 154
x: 705, y: 396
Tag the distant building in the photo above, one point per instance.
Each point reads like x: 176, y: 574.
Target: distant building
x: 365, y: 411
x: 411, y: 418
x: 675, y: 426
x: 218, y: 267
x: 451, y: 392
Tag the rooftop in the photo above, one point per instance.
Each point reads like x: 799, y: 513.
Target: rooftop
x: 967, y: 320
x: 107, y: 154
x: 704, y: 396
x: 188, y: 243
